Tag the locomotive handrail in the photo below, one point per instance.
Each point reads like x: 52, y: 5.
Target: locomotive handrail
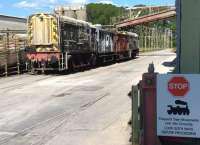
x: 13, y: 31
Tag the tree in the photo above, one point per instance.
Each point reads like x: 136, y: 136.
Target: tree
x: 102, y: 13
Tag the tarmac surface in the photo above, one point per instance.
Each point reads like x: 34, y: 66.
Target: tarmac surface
x: 84, y: 108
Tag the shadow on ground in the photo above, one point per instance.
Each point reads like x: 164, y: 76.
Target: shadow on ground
x: 84, y: 69
x: 170, y: 63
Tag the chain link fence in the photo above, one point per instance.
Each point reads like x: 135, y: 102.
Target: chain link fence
x: 152, y: 39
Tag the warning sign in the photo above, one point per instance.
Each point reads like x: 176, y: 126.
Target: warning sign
x: 178, y: 101
x: 178, y: 86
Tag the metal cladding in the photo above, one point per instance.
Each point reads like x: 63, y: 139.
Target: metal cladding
x: 43, y: 30
x: 122, y: 42
x: 188, y: 51
x: 73, y: 21
x: 12, y: 23
x: 105, y: 42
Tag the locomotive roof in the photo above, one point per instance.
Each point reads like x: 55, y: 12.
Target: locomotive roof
x: 64, y: 19
x: 74, y: 21
x: 127, y: 33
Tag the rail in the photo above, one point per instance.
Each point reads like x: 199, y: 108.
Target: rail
x: 14, y: 31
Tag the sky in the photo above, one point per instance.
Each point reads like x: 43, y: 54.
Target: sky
x: 24, y: 8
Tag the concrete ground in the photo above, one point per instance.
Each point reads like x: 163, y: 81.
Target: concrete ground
x: 85, y: 108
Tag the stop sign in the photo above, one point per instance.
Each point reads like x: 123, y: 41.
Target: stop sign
x: 178, y: 86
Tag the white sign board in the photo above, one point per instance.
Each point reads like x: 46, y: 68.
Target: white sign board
x: 178, y: 105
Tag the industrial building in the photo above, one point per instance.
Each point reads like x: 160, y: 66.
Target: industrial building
x: 12, y: 23
x: 76, y: 11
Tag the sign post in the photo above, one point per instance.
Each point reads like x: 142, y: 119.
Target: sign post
x: 178, y: 103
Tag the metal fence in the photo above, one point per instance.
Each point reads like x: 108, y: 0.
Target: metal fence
x: 151, y: 39
x: 12, y: 52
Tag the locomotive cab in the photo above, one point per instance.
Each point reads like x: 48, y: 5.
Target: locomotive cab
x: 43, y: 41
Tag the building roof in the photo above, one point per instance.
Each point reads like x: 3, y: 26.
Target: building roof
x: 13, y: 18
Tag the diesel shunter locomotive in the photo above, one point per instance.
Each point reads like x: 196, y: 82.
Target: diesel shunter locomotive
x: 60, y: 43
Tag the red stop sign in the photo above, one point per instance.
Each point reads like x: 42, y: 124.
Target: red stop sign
x: 178, y: 86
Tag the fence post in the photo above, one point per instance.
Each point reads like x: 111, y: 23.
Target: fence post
x: 171, y: 39
x: 135, y: 116
x: 148, y: 108
x: 18, y: 51
x: 18, y: 63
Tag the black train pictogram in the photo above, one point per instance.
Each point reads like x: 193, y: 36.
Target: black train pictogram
x: 181, y: 108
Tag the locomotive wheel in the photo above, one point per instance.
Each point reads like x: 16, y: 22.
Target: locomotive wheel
x: 133, y: 56
x: 43, y: 70
x: 93, y: 61
x: 32, y: 71
x: 71, y: 64
x: 43, y: 67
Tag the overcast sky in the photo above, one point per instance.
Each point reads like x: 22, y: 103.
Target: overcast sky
x: 23, y: 8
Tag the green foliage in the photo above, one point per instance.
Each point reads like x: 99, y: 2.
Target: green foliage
x: 102, y: 13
